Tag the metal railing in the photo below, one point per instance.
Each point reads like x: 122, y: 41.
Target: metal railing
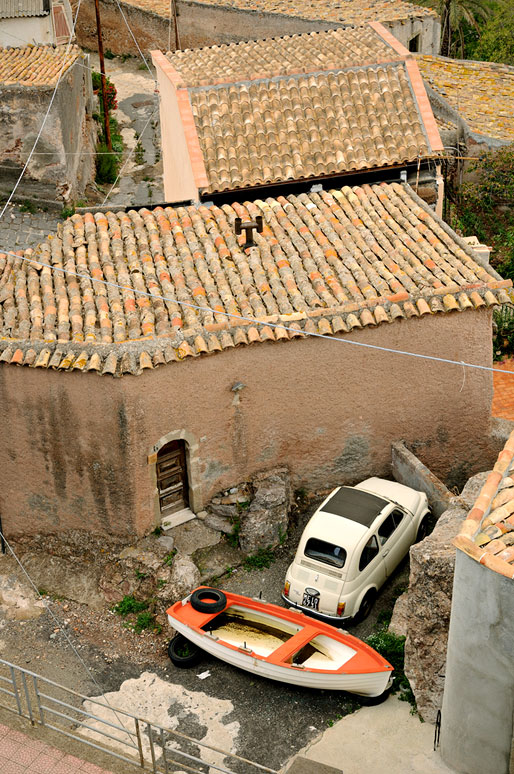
x: 141, y: 743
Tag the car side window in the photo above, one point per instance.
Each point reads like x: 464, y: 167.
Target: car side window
x: 369, y: 552
x: 388, y: 526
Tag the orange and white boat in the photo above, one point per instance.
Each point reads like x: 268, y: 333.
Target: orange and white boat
x: 276, y: 642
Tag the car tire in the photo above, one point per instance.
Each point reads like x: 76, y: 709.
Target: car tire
x: 422, y: 529
x: 373, y: 701
x: 182, y: 652
x: 366, y: 606
x: 208, y: 600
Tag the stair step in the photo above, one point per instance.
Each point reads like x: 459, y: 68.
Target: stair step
x: 179, y: 517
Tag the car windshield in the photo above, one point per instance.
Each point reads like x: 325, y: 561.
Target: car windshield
x: 325, y: 552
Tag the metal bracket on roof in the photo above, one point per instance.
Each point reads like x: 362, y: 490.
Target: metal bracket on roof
x: 403, y: 175
x: 248, y: 227
x: 316, y: 188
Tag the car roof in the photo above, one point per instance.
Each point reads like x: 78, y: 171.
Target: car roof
x: 333, y: 529
x: 354, y: 505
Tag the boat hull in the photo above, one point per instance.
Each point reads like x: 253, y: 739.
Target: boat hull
x: 283, y: 645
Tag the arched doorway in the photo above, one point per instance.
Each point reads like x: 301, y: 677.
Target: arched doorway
x: 172, y: 483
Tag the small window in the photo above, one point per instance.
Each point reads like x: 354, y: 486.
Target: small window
x: 325, y: 552
x: 387, y: 527
x: 369, y: 552
x: 414, y: 44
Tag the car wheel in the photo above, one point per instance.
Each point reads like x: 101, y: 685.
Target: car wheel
x: 208, y: 600
x: 422, y: 529
x: 366, y: 605
x: 182, y: 652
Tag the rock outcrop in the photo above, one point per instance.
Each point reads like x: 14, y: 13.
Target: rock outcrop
x: 424, y: 610
x: 265, y: 522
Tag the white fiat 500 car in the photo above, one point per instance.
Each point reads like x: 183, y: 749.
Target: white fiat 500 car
x: 351, y: 544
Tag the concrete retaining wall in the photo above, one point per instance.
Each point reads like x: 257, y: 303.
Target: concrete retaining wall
x: 408, y: 470
x: 478, y: 702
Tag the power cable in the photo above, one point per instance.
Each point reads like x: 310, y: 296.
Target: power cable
x: 276, y: 326
x: 72, y: 33
x: 135, y: 41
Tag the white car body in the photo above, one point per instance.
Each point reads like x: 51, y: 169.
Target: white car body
x: 351, y: 545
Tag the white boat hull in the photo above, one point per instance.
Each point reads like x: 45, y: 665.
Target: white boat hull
x: 369, y: 684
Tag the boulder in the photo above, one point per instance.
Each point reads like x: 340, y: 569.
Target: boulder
x: 184, y: 577
x: 265, y: 522
x: 73, y: 580
x: 426, y: 606
x: 216, y: 561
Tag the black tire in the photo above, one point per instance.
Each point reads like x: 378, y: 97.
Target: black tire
x: 422, y: 529
x: 208, y: 600
x: 374, y: 701
x: 366, y: 605
x: 183, y: 653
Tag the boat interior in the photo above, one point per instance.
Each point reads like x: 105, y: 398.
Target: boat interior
x: 277, y: 640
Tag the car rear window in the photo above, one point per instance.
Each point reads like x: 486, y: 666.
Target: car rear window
x: 325, y: 552
x: 355, y: 504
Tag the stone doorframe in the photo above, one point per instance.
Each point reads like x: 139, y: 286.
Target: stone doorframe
x: 193, y: 469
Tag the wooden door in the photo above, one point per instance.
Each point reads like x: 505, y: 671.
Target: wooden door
x: 172, y: 478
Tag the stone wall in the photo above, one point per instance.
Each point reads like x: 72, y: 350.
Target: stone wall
x: 56, y: 172
x: 79, y: 449
x: 208, y: 25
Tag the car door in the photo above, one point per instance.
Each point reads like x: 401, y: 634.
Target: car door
x: 371, y: 567
x: 395, y: 536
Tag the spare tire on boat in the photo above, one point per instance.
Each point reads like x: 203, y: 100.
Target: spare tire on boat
x: 208, y: 600
x: 182, y: 652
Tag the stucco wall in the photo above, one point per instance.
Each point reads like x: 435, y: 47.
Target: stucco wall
x: 76, y: 446
x: 18, y: 32
x: 204, y: 25
x: 56, y: 171
x: 478, y: 702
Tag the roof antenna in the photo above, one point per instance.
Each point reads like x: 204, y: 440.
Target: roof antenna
x: 248, y: 226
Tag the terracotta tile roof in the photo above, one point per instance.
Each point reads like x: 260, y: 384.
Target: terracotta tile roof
x: 337, y: 11
x: 326, y: 262
x: 306, y: 53
x: 15, y: 9
x: 487, y: 534
x: 35, y: 65
x: 481, y: 92
x: 302, y: 106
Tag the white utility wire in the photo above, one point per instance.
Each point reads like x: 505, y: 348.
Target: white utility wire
x: 72, y: 33
x: 135, y: 41
x: 277, y: 326
x: 63, y: 630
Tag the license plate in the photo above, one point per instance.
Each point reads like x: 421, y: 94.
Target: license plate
x: 310, y: 600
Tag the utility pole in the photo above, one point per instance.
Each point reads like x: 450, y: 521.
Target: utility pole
x: 175, y: 21
x: 107, y: 127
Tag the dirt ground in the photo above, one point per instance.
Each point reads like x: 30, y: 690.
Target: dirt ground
x: 92, y: 651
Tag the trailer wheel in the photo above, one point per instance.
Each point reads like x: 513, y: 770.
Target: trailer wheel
x: 208, y: 600
x: 182, y: 652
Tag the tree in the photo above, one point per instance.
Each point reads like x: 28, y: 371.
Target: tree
x: 455, y: 16
x: 496, y: 39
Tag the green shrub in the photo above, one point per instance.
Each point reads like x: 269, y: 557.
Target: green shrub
x: 107, y: 164
x: 129, y: 605
x: 503, y: 338
x: 392, y: 648
x: 264, y: 558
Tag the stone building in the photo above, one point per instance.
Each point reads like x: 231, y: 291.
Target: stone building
x: 297, y: 110
x: 63, y: 162
x: 210, y: 22
x: 477, y: 718
x: 35, y: 22
x: 166, y: 361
